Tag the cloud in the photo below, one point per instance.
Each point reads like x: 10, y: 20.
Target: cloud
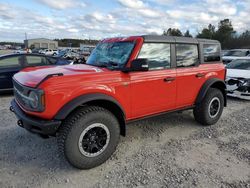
x: 62, y: 4
x: 134, y: 4
x: 66, y: 18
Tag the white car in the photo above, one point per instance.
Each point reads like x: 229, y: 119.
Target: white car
x: 238, y: 78
x: 235, y: 54
x: 49, y: 52
x: 23, y: 51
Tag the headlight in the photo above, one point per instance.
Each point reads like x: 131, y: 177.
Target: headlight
x: 34, y: 100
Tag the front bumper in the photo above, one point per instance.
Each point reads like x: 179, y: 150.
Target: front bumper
x: 34, y: 124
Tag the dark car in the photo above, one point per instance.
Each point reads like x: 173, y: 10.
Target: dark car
x: 13, y: 63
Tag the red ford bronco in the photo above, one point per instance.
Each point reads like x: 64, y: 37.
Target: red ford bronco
x: 125, y: 79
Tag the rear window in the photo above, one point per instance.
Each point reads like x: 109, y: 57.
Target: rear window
x: 211, y: 52
x: 187, y: 55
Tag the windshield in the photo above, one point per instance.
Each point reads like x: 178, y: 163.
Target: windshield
x: 239, y: 64
x: 113, y: 55
x: 237, y: 53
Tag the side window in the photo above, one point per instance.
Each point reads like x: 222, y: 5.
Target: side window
x: 211, y: 52
x: 186, y: 55
x: 36, y: 60
x: 11, y: 62
x: 157, y: 54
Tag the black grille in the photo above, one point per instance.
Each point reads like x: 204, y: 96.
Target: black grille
x: 19, y: 92
x: 18, y: 86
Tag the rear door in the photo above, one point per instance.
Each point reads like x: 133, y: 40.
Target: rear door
x: 153, y: 91
x: 8, y: 67
x: 190, y: 75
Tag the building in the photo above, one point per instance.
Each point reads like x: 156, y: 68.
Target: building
x: 41, y: 43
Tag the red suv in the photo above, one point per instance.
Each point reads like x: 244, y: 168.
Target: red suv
x: 125, y: 79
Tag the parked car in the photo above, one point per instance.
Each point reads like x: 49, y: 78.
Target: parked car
x: 223, y: 52
x: 41, y: 51
x: 70, y: 55
x: 61, y: 53
x: 238, y: 78
x: 86, y: 51
x: 35, y: 51
x: 235, y: 54
x: 124, y: 79
x: 11, y: 64
x: 50, y: 52
x: 23, y: 51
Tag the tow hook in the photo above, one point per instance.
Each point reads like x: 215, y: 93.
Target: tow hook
x: 20, y: 123
x: 11, y: 109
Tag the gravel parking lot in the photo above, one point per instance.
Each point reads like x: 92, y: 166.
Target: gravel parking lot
x: 167, y: 151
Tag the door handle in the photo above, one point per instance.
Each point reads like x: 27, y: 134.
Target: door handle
x: 199, y: 75
x: 169, y: 79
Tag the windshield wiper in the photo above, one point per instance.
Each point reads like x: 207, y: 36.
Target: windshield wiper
x: 107, y: 64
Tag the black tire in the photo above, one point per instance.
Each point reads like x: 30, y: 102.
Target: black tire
x: 76, y: 124
x: 204, y: 113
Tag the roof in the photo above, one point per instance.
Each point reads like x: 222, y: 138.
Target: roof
x: 163, y: 38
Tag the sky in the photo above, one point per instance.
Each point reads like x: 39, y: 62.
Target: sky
x: 96, y: 19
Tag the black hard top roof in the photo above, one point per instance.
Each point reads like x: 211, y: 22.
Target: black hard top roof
x: 163, y: 38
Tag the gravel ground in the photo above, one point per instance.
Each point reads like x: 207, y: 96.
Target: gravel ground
x: 168, y: 151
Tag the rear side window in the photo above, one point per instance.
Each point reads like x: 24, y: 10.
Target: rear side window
x: 211, y: 52
x: 186, y: 55
x: 158, y: 55
x: 10, y: 62
x: 36, y: 60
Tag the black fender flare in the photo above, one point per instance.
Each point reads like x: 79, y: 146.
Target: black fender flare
x: 214, y: 83
x: 82, y: 99
x: 87, y: 98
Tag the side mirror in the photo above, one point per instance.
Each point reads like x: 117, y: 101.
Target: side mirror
x: 140, y: 64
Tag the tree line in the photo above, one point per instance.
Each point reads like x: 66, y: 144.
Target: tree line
x: 225, y: 33
x: 75, y: 42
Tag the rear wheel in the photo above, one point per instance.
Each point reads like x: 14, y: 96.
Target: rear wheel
x: 89, y: 137
x: 209, y: 111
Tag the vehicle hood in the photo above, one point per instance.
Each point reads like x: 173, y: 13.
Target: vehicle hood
x: 238, y: 73
x: 33, y: 75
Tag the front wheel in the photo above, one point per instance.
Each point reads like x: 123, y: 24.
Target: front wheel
x: 209, y: 111
x: 89, y: 137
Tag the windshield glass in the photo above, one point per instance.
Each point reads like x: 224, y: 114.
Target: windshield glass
x: 239, y: 64
x: 112, y: 55
x: 237, y: 53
